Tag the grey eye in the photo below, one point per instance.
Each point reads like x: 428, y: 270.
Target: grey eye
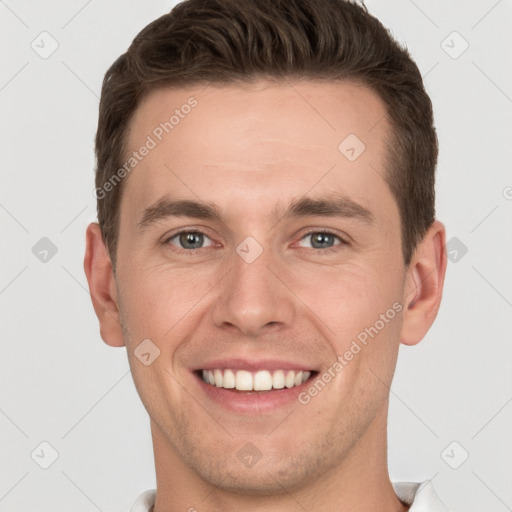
x: 189, y: 240
x: 321, y: 240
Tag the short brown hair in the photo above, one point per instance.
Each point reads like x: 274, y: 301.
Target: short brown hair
x: 225, y: 41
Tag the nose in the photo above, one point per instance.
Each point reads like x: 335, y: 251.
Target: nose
x: 253, y: 297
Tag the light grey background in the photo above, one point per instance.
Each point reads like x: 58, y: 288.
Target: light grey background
x: 62, y: 385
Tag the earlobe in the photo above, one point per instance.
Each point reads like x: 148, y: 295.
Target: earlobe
x: 100, y: 276
x: 424, y: 285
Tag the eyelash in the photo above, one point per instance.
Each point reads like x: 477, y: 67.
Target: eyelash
x: 192, y: 252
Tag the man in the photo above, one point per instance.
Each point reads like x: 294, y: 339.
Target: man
x: 266, y: 240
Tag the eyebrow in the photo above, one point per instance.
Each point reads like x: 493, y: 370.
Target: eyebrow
x: 166, y: 208
x: 332, y: 206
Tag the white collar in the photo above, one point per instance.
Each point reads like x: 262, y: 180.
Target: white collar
x: 420, y: 495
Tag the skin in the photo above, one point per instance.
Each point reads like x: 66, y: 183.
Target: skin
x: 251, y: 149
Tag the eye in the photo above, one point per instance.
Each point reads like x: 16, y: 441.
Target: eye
x: 322, y: 239
x: 189, y: 240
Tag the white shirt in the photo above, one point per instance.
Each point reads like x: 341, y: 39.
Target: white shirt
x: 420, y: 495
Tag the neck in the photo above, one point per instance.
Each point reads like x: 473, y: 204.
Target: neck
x: 360, y: 482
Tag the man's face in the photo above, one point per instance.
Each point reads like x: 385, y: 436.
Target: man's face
x: 259, y: 288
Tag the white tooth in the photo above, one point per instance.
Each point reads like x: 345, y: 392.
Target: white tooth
x: 290, y: 379
x: 262, y: 381
x: 278, y: 379
x: 229, y: 379
x: 218, y: 378
x: 244, y: 380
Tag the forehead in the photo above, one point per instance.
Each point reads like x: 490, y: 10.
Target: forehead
x: 261, y: 140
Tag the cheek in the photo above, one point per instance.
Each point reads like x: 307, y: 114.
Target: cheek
x: 158, y: 301
x: 360, y: 305
x: 351, y: 298
x: 158, y: 305
x: 363, y: 313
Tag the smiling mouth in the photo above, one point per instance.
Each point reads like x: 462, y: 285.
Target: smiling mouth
x: 262, y: 380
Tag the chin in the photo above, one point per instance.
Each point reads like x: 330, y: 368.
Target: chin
x: 267, y: 479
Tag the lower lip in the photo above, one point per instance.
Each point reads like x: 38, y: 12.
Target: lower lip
x: 253, y: 402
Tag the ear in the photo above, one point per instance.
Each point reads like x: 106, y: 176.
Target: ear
x: 102, y: 286
x: 424, y: 285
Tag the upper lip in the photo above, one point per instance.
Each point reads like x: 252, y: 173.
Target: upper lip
x: 253, y: 365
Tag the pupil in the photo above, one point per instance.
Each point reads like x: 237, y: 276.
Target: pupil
x: 321, y: 238
x: 194, y: 239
